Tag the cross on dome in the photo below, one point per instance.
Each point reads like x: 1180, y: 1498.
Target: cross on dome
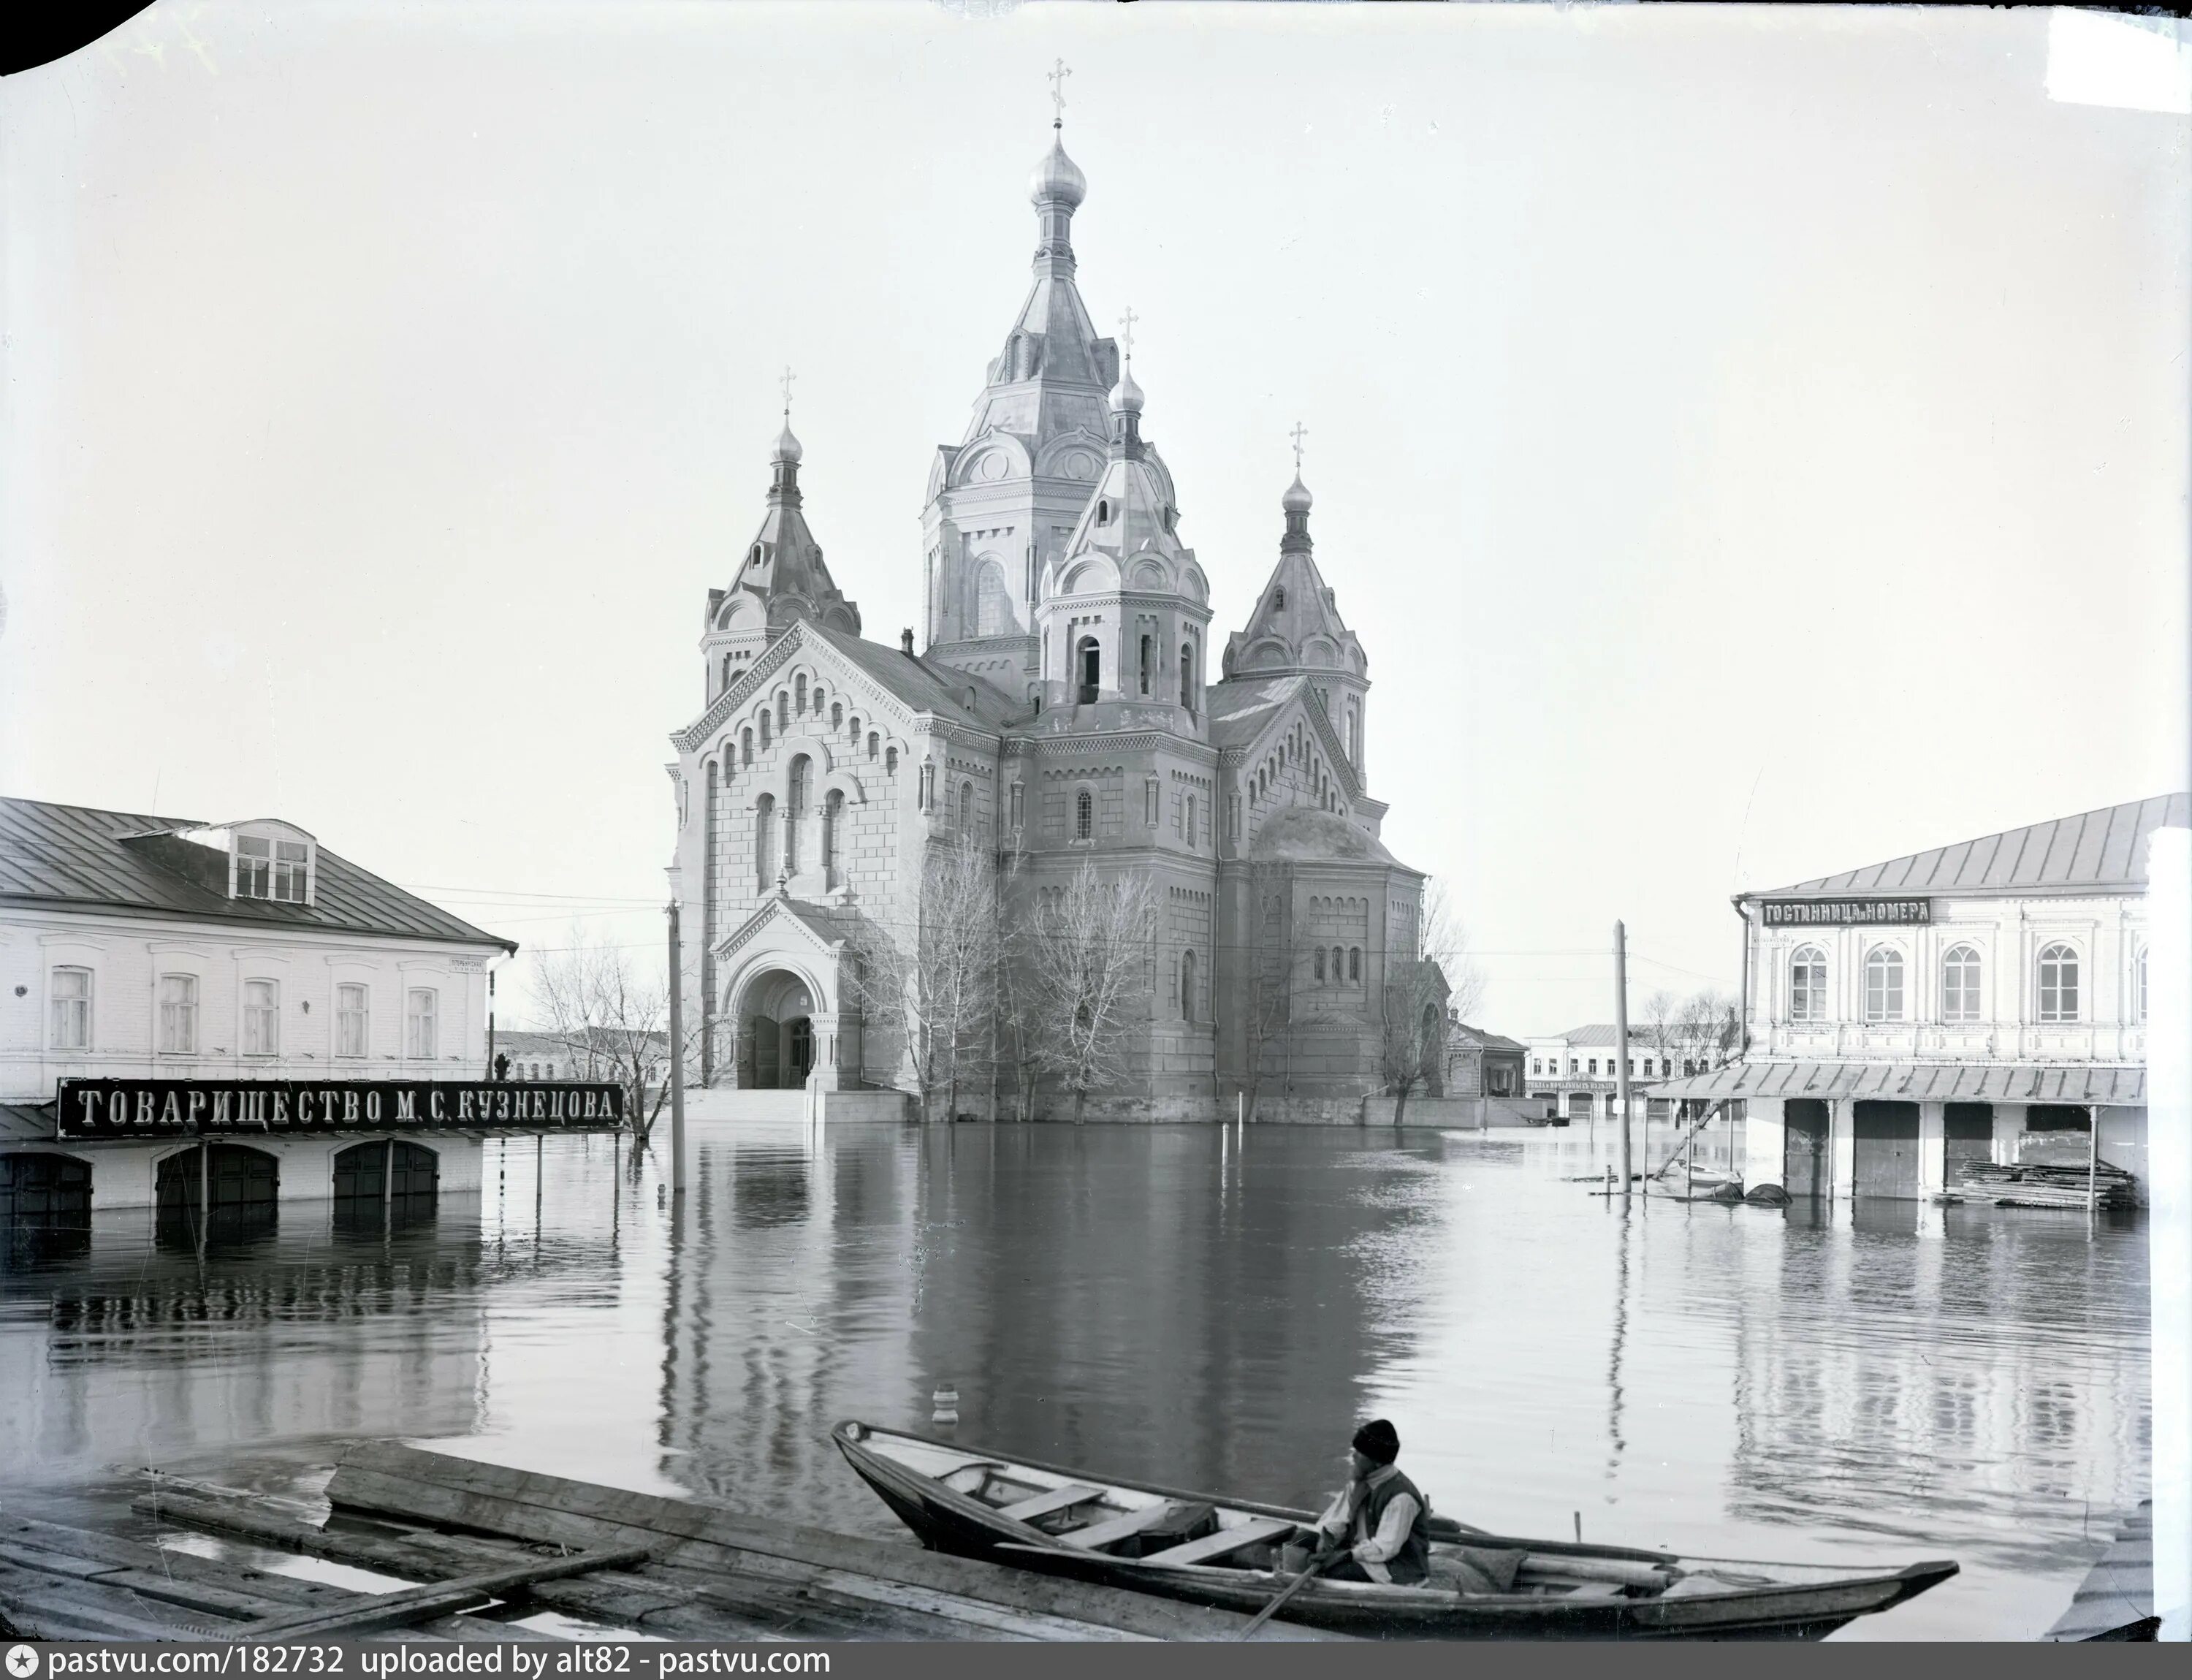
x: 1300, y: 433
x: 1127, y: 331
x: 785, y: 383
x: 1057, y: 80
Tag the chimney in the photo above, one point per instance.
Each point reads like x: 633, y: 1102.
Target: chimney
x: 906, y: 642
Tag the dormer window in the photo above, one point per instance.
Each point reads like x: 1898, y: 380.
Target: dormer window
x: 271, y: 868
x: 1278, y: 600
x: 1103, y: 512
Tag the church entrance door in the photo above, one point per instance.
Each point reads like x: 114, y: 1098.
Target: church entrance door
x: 776, y: 1033
x: 798, y: 1052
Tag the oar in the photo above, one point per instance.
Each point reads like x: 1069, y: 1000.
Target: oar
x: 1317, y: 1565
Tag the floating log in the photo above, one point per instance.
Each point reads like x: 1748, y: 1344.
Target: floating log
x: 412, y: 1604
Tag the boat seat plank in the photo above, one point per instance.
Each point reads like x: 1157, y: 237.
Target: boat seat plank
x: 1049, y: 1504
x: 1251, y: 1533
x: 1097, y: 1536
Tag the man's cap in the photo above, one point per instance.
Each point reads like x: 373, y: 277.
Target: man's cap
x: 1379, y: 1440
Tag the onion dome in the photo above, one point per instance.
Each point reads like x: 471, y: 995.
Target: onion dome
x: 1296, y: 499
x: 1127, y: 395
x: 1058, y: 179
x: 787, y: 451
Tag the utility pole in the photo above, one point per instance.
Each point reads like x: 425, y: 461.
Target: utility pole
x: 677, y: 1059
x: 1621, y: 1043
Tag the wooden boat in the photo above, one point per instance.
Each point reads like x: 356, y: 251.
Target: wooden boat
x: 1228, y: 1553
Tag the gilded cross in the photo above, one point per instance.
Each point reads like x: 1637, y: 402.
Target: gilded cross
x: 786, y: 383
x: 1300, y: 433
x: 1127, y: 331
x: 1057, y: 80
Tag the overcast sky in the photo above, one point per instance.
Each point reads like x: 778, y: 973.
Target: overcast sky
x: 1747, y: 443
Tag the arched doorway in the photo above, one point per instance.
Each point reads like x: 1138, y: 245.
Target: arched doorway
x: 243, y: 1183
x: 776, y: 1032
x: 397, y: 1182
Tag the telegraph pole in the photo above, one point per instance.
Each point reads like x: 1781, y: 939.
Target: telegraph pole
x: 677, y: 1059
x: 1621, y: 1043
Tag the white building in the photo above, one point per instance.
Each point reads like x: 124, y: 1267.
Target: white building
x: 1945, y: 1004
x: 141, y: 948
x: 1578, y: 1073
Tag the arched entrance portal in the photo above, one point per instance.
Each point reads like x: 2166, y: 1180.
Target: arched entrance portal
x: 776, y: 1033
x: 244, y: 1185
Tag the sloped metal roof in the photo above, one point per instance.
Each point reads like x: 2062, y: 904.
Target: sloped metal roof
x: 1916, y: 1082
x: 2095, y: 849
x: 73, y: 857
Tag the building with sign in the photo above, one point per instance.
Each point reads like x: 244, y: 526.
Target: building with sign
x: 1479, y: 1063
x: 194, y: 962
x: 1061, y: 715
x: 1975, y: 1001
x: 1577, y: 1074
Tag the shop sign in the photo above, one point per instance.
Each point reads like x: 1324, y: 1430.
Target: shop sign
x: 156, y: 1108
x: 1847, y: 912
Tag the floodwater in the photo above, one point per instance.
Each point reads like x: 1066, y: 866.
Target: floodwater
x: 1197, y: 1307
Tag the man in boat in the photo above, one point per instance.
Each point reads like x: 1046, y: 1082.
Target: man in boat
x: 1380, y: 1519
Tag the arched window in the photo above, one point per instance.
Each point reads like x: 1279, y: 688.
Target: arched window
x: 1278, y: 600
x: 836, y: 718
x: 1807, y: 984
x: 1320, y: 965
x: 1091, y: 662
x: 798, y: 793
x: 726, y: 671
x: 1149, y: 661
x: 765, y: 840
x: 967, y: 808
x: 1187, y: 676
x: 1336, y: 961
x: 745, y: 748
x: 2058, y: 983
x: 2138, y: 988
x: 819, y: 694
x: 993, y: 602
x: 764, y: 731
x: 833, y: 824
x: 1191, y: 821
x: 1883, y: 984
x: 799, y: 693
x: 874, y: 741
x: 890, y: 759
x: 1354, y: 962
x: 1084, y: 815
x: 1103, y: 512
x: 1187, y: 985
x: 1960, y: 985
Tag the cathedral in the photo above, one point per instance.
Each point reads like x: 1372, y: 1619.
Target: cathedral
x: 1060, y: 712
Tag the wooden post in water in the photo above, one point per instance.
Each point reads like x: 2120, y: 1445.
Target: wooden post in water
x: 1621, y: 1043
x: 677, y: 1059
x: 2092, y: 1166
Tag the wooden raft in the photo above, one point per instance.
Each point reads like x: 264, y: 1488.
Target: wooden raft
x: 673, y: 1568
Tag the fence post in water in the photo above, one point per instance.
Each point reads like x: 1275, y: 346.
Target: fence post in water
x: 1621, y: 1043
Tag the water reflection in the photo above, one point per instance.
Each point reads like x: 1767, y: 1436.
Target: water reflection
x: 1197, y: 1307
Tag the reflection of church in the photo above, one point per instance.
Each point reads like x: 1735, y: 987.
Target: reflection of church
x: 1062, y: 711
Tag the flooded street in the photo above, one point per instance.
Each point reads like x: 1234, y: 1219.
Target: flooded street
x: 1186, y: 1305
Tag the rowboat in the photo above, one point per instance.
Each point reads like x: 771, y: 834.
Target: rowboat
x: 1238, y: 1555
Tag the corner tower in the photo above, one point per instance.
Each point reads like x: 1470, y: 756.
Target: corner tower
x: 1004, y: 499
x: 780, y: 579
x: 1296, y: 631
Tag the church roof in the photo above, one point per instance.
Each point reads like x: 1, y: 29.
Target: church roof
x: 1240, y: 708
x: 1295, y: 625
x: 2094, y: 851
x: 1303, y: 834
x: 924, y: 685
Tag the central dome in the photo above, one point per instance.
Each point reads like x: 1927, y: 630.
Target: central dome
x: 1058, y: 179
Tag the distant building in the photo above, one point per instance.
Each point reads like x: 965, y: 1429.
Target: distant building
x: 540, y: 1055
x: 1578, y: 1073
x: 1947, y: 1005
x: 231, y: 961
x: 1481, y: 1064
x: 599, y: 1053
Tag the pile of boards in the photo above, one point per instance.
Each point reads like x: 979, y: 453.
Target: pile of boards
x: 491, y: 1544
x: 2041, y: 1184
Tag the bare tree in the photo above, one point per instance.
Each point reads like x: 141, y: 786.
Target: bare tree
x: 937, y: 981
x: 1427, y: 976
x: 614, y: 1021
x: 1085, y: 962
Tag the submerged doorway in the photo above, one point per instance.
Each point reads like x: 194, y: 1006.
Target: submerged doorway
x: 1804, y: 1148
x: 776, y: 1033
x: 391, y: 1182
x: 1884, y: 1150
x: 243, y: 1185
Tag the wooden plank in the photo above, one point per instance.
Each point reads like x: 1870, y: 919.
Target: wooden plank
x: 1049, y: 1504
x: 1110, y: 1533
x: 406, y: 1481
x: 1225, y: 1541
x: 419, y: 1603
